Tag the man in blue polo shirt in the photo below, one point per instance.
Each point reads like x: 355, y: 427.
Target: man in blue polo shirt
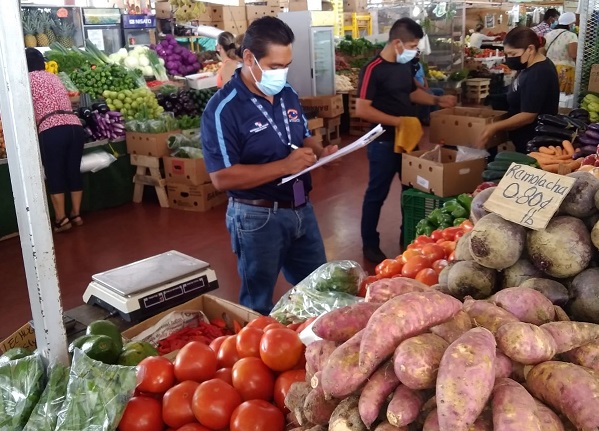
x: 254, y: 133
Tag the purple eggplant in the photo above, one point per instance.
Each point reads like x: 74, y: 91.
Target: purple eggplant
x: 593, y: 126
x: 592, y: 134
x: 586, y: 139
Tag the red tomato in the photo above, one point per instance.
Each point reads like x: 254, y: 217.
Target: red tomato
x: 451, y: 257
x: 381, y: 266
x: 410, y: 253
x: 261, y: 322
x: 423, y: 239
x: 195, y: 361
x: 414, y: 266
x: 213, y: 403
x: 217, y: 342
x: 412, y: 246
x: 228, y: 354
x: 283, y: 383
x: 155, y: 375
x: 459, y: 235
x: 142, y: 414
x: 248, y: 342
x: 391, y: 267
x: 365, y: 283
x: 433, y: 252
x: 253, y: 380
x: 427, y: 276
x: 449, y: 233
x: 439, y: 265
x: 176, y: 404
x: 257, y: 415
x: 466, y: 225
x: 437, y: 235
x: 275, y: 326
x: 281, y: 349
x: 193, y: 427
x: 448, y: 246
x: 225, y: 374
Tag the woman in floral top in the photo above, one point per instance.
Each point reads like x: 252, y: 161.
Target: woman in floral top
x: 61, y: 138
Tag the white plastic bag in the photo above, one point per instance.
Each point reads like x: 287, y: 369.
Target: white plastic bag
x: 467, y: 153
x: 96, y: 161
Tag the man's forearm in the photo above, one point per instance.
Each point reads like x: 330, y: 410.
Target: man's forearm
x: 315, y: 144
x: 422, y: 97
x: 515, y: 121
x: 373, y: 115
x: 243, y: 177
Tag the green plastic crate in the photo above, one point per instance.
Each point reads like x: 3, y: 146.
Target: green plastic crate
x: 416, y: 206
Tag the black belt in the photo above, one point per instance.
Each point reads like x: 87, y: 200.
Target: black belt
x: 263, y: 203
x: 52, y: 114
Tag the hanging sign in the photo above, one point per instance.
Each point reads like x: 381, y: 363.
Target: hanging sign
x: 529, y: 196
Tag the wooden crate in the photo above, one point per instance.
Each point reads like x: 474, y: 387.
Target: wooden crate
x: 148, y: 174
x: 477, y: 89
x: 357, y: 126
x: 353, y: 96
x: 332, y: 131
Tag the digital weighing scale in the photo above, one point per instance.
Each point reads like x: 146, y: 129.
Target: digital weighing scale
x: 142, y: 289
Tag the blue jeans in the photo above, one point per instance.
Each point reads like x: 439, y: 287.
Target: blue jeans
x: 424, y: 112
x: 384, y: 163
x: 265, y: 241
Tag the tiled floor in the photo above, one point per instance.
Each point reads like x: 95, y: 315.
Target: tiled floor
x: 114, y: 237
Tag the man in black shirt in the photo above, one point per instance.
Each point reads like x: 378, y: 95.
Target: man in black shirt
x: 387, y: 92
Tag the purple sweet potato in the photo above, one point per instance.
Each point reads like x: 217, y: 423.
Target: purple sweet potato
x: 315, y: 380
x: 548, y: 420
x: 380, y: 385
x: 570, y: 335
x: 526, y: 304
x: 513, y: 407
x: 343, y: 323
x: 417, y: 360
x: 317, y: 354
x: 483, y: 423
x: 386, y: 426
x: 569, y: 389
x: 317, y: 409
x: 404, y: 406
x: 432, y: 422
x: 503, y: 365
x: 385, y: 289
x: 526, y: 343
x: 560, y: 314
x: 586, y: 356
x: 465, y: 379
x: 454, y: 328
x: 487, y: 315
x: 341, y: 375
x: 295, y: 399
x: 346, y: 416
x: 400, y: 318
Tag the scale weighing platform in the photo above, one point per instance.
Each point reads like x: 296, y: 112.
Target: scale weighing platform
x: 142, y: 289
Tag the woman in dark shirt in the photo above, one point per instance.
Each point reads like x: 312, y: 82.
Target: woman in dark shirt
x: 534, y: 91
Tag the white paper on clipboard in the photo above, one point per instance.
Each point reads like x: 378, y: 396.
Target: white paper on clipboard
x: 356, y: 145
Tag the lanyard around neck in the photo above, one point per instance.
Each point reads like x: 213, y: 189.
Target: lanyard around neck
x: 272, y: 122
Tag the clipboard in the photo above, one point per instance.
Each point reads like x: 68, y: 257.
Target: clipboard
x: 356, y: 145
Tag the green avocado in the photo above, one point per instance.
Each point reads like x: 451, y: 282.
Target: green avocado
x: 104, y: 327
x: 101, y: 348
x: 135, y: 352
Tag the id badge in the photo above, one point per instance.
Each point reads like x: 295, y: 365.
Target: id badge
x: 299, y: 194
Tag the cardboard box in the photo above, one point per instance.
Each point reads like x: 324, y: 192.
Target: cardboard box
x: 194, y: 198
x: 357, y: 6
x: 212, y: 306
x: 322, y: 18
x: 325, y: 106
x: 163, y: 10
x: 463, y: 126
x: 22, y: 337
x: 445, y: 178
x: 148, y: 144
x: 254, y: 12
x: 594, y: 79
x: 234, y: 13
x: 185, y: 171
x: 302, y: 5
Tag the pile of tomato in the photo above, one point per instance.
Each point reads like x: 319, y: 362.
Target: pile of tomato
x: 237, y: 383
x: 424, y: 258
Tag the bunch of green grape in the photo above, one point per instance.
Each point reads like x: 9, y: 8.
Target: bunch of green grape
x: 96, y: 80
x: 137, y: 104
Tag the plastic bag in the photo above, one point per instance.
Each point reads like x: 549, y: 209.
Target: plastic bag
x: 66, y: 81
x: 175, y: 142
x: 97, y: 395
x: 331, y: 286
x: 466, y: 153
x: 188, y: 153
x: 96, y: 161
x: 45, y: 414
x: 21, y: 385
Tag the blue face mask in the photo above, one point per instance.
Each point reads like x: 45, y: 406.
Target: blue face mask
x: 272, y: 82
x: 406, y: 56
x: 554, y: 24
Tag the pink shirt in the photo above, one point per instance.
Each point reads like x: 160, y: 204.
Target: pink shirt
x: 49, y: 95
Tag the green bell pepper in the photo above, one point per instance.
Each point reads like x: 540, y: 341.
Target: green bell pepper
x: 466, y: 201
x: 444, y: 226
x: 460, y: 212
x: 445, y: 219
x: 424, y: 227
x: 434, y: 217
x: 459, y: 221
x: 455, y: 208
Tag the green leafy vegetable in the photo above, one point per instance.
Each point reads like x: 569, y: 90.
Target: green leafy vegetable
x: 45, y: 414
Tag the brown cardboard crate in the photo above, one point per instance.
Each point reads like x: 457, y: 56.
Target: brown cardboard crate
x: 234, y: 13
x: 326, y: 106
x: 254, y: 12
x: 163, y: 10
x: 235, y: 27
x: 23, y: 337
x: 212, y: 306
x: 185, y: 171
x: 149, y: 144
x: 194, y: 198
x: 357, y: 126
x: 354, y: 6
x: 594, y: 79
x: 302, y: 5
x: 445, y: 178
x: 315, y: 123
x: 463, y: 126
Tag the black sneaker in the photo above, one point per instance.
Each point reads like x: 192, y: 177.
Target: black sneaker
x: 374, y: 254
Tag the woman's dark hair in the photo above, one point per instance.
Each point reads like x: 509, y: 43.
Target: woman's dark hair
x: 521, y: 38
x: 35, y: 60
x: 550, y: 13
x: 406, y: 30
x: 227, y: 41
x: 263, y: 32
x: 479, y: 27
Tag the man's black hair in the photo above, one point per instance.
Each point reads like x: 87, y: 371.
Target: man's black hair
x: 406, y: 30
x: 550, y: 13
x: 35, y: 60
x: 264, y: 32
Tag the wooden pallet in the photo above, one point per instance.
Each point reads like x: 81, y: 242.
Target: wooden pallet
x: 148, y: 174
x: 357, y: 126
x: 353, y: 96
x: 332, y: 131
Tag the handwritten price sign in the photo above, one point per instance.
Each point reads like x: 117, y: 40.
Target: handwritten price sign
x: 529, y: 196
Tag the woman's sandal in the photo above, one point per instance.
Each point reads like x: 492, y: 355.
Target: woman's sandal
x: 62, y: 225
x: 76, y: 220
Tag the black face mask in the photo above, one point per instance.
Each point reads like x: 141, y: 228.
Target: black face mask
x: 515, y: 63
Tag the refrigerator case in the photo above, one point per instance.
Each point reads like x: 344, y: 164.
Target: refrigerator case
x: 103, y: 28
x: 139, y: 30
x: 312, y: 72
